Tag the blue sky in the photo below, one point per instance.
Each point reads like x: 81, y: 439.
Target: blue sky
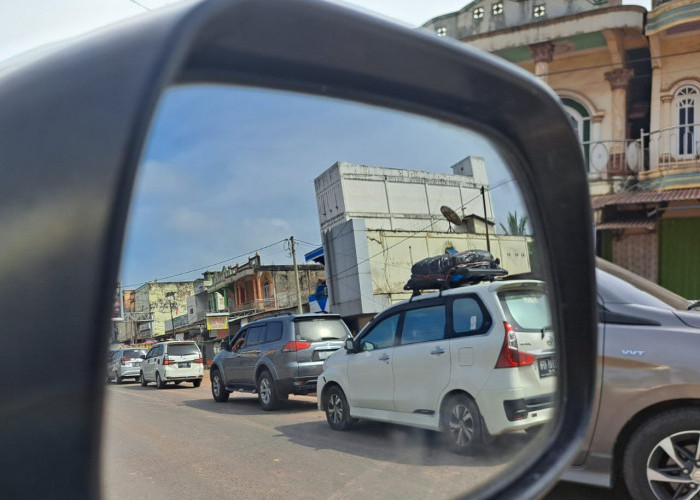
x: 227, y: 171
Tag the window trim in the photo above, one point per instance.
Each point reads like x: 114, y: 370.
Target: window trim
x: 404, y: 312
x: 686, y: 92
x: 486, y: 324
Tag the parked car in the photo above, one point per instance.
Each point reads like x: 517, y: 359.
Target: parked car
x: 276, y: 357
x: 125, y: 363
x: 471, y: 362
x: 174, y: 361
x: 645, y: 429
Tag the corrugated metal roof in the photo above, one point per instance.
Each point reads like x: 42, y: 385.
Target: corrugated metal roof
x: 624, y: 224
x: 641, y: 197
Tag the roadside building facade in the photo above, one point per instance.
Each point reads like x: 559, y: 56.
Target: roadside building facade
x: 630, y: 82
x: 166, y: 306
x: 252, y: 290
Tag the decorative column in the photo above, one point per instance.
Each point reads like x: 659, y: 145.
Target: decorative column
x: 666, y: 135
x: 619, y: 80
x: 542, y: 54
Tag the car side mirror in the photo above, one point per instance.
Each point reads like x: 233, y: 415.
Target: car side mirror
x: 350, y: 345
x: 71, y: 150
x: 225, y: 345
x: 143, y: 356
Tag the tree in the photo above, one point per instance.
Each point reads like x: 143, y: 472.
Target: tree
x: 517, y: 226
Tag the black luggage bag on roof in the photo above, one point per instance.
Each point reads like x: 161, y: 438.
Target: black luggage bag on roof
x: 450, y: 270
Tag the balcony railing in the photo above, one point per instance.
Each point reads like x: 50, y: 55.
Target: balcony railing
x: 258, y: 304
x: 610, y: 158
x: 672, y: 146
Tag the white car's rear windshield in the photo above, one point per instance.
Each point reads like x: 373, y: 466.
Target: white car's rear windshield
x: 133, y: 353
x: 526, y: 310
x: 182, y: 349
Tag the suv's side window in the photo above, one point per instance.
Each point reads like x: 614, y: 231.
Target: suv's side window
x: 273, y: 331
x: 382, y: 335
x: 423, y: 325
x: 468, y: 317
x: 255, y: 336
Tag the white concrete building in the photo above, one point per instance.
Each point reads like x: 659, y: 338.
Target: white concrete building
x: 377, y: 222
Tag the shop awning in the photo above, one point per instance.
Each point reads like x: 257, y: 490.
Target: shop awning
x: 645, y: 197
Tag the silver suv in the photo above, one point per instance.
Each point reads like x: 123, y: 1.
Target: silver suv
x: 125, y: 363
x: 276, y: 356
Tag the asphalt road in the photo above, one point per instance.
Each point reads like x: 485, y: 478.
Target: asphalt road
x: 179, y: 443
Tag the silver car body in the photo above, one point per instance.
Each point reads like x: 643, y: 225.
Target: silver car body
x: 648, y: 345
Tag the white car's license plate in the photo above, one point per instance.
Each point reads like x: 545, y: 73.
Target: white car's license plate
x: 547, y: 366
x: 183, y: 365
x: 324, y: 354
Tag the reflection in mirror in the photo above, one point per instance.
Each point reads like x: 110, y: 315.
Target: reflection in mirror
x: 407, y: 233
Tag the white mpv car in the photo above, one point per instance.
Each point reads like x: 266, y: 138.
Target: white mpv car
x: 471, y: 362
x: 173, y: 362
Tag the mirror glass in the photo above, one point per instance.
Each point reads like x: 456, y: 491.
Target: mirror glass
x: 253, y: 204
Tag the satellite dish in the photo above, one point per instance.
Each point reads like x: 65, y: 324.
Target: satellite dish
x: 633, y: 155
x: 451, y: 215
x: 599, y: 157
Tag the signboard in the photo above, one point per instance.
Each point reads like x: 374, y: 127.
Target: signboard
x: 217, y: 322
x: 118, y: 305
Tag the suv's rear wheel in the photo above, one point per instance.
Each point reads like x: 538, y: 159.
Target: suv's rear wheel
x: 197, y: 383
x: 218, y: 389
x: 338, y: 410
x: 117, y: 378
x: 267, y: 393
x: 461, y: 424
x: 661, y: 458
x: 160, y: 384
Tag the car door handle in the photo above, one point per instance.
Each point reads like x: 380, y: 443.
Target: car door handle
x: 438, y: 351
x: 383, y: 357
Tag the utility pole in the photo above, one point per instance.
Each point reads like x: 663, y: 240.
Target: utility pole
x: 296, y: 273
x: 171, y: 296
x: 486, y: 219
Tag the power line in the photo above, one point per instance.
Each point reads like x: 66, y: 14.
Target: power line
x: 315, y: 245
x: 164, y: 278
x: 205, y: 267
x: 354, y: 266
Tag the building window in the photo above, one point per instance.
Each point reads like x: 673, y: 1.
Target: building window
x: 441, y: 31
x: 266, y: 290
x: 539, y: 10
x: 686, y: 103
x: 581, y: 122
x: 497, y: 8
x: 478, y: 13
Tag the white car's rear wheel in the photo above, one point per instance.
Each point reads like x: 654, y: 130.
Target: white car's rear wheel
x: 461, y: 424
x: 160, y: 384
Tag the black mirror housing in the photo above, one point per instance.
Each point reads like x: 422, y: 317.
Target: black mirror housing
x: 57, y: 131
